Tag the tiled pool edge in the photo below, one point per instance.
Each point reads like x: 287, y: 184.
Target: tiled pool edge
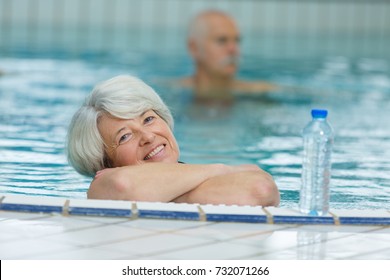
x: 193, y: 212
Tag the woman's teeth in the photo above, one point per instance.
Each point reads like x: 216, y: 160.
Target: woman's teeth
x: 154, y: 152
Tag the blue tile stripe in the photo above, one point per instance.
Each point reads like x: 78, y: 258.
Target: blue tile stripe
x: 191, y: 215
x: 30, y: 208
x: 303, y: 220
x: 168, y: 214
x: 88, y: 211
x: 364, y: 220
x: 236, y: 218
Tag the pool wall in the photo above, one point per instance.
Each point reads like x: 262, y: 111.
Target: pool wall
x: 269, y: 28
x: 52, y: 228
x: 194, y: 212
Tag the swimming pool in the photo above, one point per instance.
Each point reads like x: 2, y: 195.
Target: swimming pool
x: 41, y: 92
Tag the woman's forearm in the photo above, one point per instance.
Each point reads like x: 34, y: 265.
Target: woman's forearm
x: 205, y: 184
x: 153, y: 181
x: 244, y: 188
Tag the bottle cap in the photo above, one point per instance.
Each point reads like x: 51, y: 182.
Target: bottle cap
x: 319, y: 113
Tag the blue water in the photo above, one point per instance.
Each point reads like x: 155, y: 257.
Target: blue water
x: 40, y: 93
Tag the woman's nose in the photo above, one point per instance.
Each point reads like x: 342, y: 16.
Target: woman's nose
x: 147, y: 137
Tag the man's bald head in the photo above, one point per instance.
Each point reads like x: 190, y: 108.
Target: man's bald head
x: 205, y: 21
x: 213, y: 43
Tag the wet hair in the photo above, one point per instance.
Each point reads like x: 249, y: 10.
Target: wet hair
x: 123, y: 97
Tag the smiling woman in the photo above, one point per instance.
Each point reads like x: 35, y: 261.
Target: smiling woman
x: 122, y: 135
x: 119, y: 135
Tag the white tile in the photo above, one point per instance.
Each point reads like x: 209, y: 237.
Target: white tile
x: 292, y: 244
x: 155, y: 244
x: 357, y: 244
x: 317, y: 250
x: 334, y: 228
x: 207, y: 233
x: 100, y: 219
x: 4, y: 215
x: 361, y: 213
x: 163, y: 225
x: 21, y: 229
x: 385, y: 230
x: 85, y: 254
x: 18, y: 229
x: 300, y: 245
x: 226, y: 231
x: 98, y: 235
x: 30, y: 248
x: 34, y: 200
x: 269, y: 242
x: 99, y: 203
x: 212, y: 251
x: 383, y: 254
x: 287, y: 254
x: 71, y: 223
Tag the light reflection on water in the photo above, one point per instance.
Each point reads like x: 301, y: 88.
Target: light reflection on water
x: 39, y: 96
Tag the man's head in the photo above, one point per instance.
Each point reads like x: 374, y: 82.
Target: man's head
x: 213, y: 42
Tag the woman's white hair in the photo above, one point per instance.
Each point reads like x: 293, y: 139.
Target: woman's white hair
x: 123, y: 97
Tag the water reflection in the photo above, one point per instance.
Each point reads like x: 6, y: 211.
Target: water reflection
x: 311, y: 245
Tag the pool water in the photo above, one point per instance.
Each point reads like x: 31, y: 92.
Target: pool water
x: 40, y: 93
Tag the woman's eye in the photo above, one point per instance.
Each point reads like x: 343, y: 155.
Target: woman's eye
x: 124, y: 138
x: 149, y: 119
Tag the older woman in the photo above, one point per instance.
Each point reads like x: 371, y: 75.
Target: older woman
x: 122, y: 136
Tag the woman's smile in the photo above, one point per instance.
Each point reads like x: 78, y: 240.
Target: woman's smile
x: 155, y: 152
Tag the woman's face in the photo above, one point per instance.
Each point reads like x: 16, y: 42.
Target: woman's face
x: 144, y: 139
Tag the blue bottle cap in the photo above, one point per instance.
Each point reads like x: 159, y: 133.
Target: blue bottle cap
x: 319, y: 113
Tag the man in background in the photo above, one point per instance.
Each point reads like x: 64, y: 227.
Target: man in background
x: 213, y: 43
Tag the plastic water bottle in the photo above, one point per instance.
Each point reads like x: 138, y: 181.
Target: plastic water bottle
x: 317, y: 149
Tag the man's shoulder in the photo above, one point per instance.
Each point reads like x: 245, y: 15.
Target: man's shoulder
x: 187, y: 82
x: 244, y: 86
x: 183, y: 82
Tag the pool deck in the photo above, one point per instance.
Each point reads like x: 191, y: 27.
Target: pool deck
x: 60, y: 229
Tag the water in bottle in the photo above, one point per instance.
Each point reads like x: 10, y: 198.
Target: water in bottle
x: 317, y: 149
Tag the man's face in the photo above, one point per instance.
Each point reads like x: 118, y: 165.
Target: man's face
x: 218, y: 47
